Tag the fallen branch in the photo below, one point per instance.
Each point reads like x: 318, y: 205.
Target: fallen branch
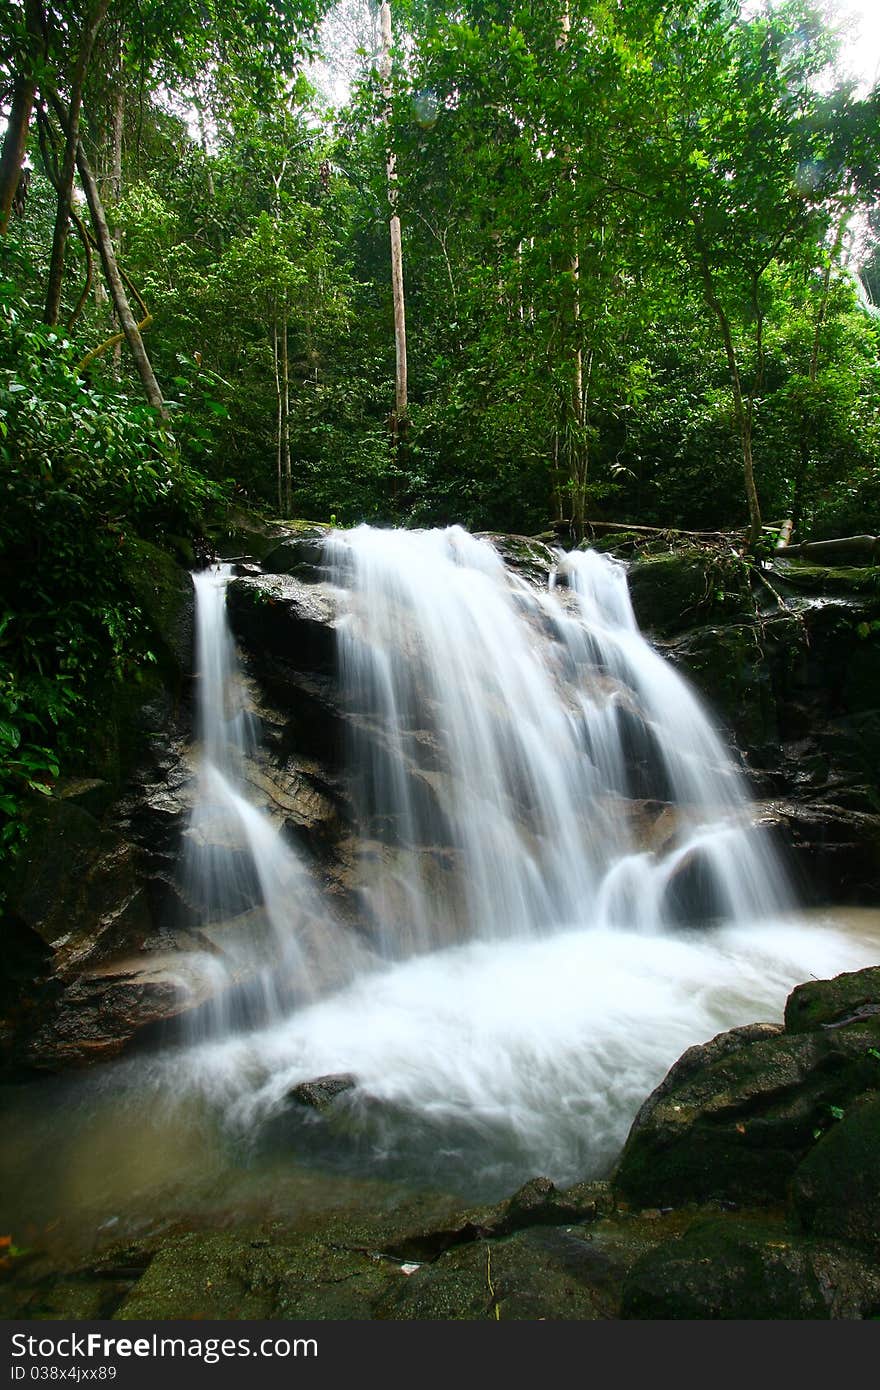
x: 613, y: 526
x: 855, y: 549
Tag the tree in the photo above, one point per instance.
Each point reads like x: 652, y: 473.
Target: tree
x: 741, y: 161
x: 400, y: 373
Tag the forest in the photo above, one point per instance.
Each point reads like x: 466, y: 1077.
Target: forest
x: 629, y: 238
x: 271, y: 269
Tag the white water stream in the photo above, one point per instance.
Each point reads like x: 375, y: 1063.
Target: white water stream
x: 560, y: 882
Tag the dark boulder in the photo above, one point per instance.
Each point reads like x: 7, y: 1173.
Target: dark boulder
x: 836, y: 1190
x: 281, y: 615
x: 543, y: 1273
x: 730, y: 1268
x: 735, y: 1117
x: 301, y: 556
x: 848, y: 998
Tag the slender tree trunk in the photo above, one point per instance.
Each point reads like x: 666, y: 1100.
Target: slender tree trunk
x: 203, y: 141
x: 401, y: 384
x: 576, y: 441
x: 805, y: 442
x: 68, y: 166
x: 285, y: 413
x: 117, y: 289
x: 117, y: 125
x: 16, y: 137
x: 279, y: 414
x: 742, y: 413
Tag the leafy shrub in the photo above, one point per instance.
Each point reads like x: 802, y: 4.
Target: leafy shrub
x: 81, y: 473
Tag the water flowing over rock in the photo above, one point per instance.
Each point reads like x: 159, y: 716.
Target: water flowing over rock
x: 466, y: 865
x: 508, y: 725
x: 497, y: 866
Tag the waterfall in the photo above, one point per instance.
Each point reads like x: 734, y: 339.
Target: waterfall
x: 509, y: 733
x: 559, y: 888
x: 274, y: 941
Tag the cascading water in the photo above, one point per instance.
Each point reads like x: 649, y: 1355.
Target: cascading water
x: 545, y: 813
x: 504, y: 727
x: 275, y: 939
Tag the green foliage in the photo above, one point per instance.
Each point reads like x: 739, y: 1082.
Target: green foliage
x: 81, y: 473
x: 581, y: 212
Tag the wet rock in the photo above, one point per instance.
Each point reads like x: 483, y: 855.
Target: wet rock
x: 836, y: 1190
x: 738, y: 1269
x: 671, y: 592
x: 301, y: 555
x: 282, y: 615
x: 692, y: 896
x: 834, y: 850
x: 848, y: 998
x: 734, y: 1117
x: 540, y: 1202
x: 727, y: 664
x: 320, y: 1093
x: 200, y: 1275
x: 543, y: 1273
x: 101, y: 1011
x: 526, y: 556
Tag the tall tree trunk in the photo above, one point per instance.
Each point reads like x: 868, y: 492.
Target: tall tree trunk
x: 742, y: 413
x: 805, y: 443
x: 400, y: 379
x: 68, y: 166
x: 117, y: 289
x: 16, y: 137
x: 203, y: 141
x: 285, y: 415
x: 114, y: 169
x: 576, y: 446
x: 279, y: 412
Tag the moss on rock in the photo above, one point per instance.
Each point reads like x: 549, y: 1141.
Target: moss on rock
x: 822, y: 1003
x: 725, y: 1268
x: 836, y: 1190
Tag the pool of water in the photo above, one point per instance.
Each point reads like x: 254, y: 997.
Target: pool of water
x: 477, y: 1067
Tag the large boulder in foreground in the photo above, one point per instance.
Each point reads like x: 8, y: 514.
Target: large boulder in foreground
x: 836, y: 1190
x: 735, y: 1117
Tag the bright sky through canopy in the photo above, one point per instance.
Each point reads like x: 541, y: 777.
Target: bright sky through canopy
x: 861, y: 48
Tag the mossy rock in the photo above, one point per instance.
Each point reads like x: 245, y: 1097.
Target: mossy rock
x: 733, y: 1118
x: 245, y: 533
x: 622, y: 543
x: 73, y: 1299
x: 831, y: 1003
x: 836, y: 1190
x: 728, y: 667
x: 527, y: 555
x: 674, y: 591
x: 725, y: 1268
x: 163, y: 591
x: 63, y: 843
x: 226, y: 1276
x: 804, y: 577
x: 542, y: 1273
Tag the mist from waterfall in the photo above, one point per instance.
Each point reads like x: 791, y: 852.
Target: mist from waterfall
x: 560, y: 887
